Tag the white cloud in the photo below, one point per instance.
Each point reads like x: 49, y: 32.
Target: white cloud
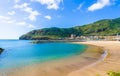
x: 8, y: 21
x: 11, y: 13
x: 4, y: 17
x: 25, y: 7
x: 16, y: 1
x: 31, y: 26
x: 25, y: 24
x: 51, y: 4
x: 22, y: 23
x: 80, y: 6
x: 48, y: 17
x: 33, y: 15
x: 99, y: 5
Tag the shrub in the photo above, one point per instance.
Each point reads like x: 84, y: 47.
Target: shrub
x: 111, y: 73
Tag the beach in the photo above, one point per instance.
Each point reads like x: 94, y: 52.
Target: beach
x: 110, y: 63
x: 61, y: 67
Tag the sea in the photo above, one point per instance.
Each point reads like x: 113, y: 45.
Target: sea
x: 19, y: 53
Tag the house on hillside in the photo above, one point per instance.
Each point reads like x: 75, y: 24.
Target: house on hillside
x: 73, y: 36
x: 117, y: 37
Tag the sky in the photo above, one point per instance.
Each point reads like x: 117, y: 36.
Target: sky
x: 18, y: 17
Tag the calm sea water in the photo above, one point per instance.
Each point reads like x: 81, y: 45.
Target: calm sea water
x: 22, y: 52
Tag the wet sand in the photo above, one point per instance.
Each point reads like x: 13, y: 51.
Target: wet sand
x: 61, y: 67
x: 110, y: 63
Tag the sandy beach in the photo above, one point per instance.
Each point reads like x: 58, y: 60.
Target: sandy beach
x: 89, y: 63
x: 110, y: 63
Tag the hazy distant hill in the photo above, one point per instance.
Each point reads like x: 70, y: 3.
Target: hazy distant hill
x: 102, y: 27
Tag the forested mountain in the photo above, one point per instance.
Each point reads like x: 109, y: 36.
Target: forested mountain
x: 102, y: 27
x: 51, y: 33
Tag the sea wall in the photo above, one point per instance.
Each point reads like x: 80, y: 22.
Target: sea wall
x: 52, y: 41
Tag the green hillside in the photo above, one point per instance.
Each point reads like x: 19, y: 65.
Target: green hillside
x: 102, y: 27
x: 51, y: 33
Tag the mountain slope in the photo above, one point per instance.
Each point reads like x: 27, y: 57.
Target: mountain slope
x: 102, y: 27
x: 50, y: 33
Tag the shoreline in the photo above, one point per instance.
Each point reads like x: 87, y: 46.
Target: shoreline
x: 102, y: 58
x: 60, y: 67
x: 110, y: 63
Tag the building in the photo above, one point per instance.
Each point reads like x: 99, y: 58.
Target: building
x: 73, y: 36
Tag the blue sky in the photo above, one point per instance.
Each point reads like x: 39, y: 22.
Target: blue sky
x: 20, y: 16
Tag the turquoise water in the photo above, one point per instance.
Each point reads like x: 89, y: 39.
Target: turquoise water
x: 22, y: 52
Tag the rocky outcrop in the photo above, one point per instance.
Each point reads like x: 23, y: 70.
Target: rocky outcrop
x: 1, y: 50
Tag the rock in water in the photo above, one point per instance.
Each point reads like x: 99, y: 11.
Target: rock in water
x: 1, y: 50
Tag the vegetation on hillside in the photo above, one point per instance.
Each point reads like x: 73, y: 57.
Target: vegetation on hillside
x: 51, y: 33
x: 102, y: 27
x: 112, y: 73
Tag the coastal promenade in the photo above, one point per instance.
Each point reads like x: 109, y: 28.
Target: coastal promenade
x: 110, y: 63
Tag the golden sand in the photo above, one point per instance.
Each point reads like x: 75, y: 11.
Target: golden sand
x: 111, y: 63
